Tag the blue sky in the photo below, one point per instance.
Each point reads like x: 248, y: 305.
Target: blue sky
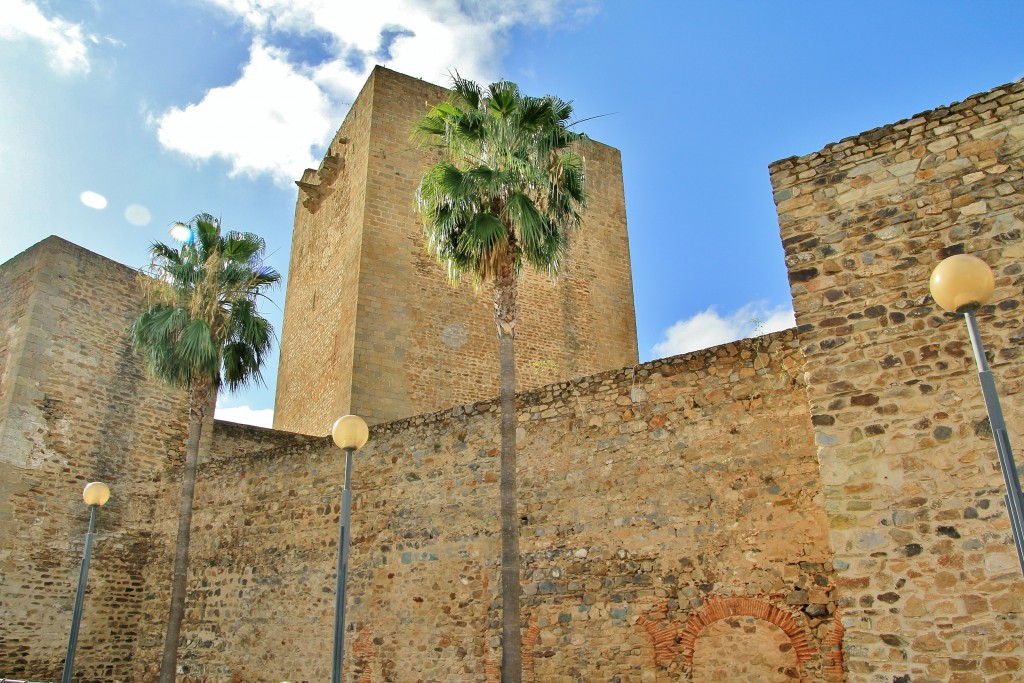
x: 165, y: 108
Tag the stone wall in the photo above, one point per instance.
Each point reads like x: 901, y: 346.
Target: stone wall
x: 789, y: 507
x: 17, y: 284
x: 76, y: 408
x: 371, y: 324
x: 314, y: 377
x: 768, y: 656
x: 656, y: 502
x: 923, y: 553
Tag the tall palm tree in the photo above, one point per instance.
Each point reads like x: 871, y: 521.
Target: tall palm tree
x: 202, y: 331
x: 508, y: 189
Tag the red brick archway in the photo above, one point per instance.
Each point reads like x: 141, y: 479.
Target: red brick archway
x: 528, y: 643
x: 717, y: 608
x: 832, y: 649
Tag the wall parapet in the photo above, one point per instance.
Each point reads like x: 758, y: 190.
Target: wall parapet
x: 910, y: 480
x: 644, y: 486
x: 871, y: 141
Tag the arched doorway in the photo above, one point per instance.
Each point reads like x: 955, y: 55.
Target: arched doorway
x: 744, y: 649
x: 744, y: 639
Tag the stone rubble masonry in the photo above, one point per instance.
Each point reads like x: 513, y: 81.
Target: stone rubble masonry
x: 74, y: 408
x: 371, y: 324
x: 648, y: 495
x: 820, y: 504
x: 924, y: 557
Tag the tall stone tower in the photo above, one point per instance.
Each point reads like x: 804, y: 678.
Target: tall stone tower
x: 371, y: 324
x: 75, y: 407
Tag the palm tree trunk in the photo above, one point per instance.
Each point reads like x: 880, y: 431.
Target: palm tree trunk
x: 200, y: 398
x: 505, y: 317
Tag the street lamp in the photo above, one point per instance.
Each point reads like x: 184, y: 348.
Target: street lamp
x: 962, y: 284
x: 349, y: 433
x: 95, y: 494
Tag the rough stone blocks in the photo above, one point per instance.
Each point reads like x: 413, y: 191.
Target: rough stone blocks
x: 372, y: 325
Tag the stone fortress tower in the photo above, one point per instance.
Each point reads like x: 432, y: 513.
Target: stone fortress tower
x: 372, y: 327
x: 817, y: 505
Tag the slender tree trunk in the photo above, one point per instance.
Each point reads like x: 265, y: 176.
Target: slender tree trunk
x: 505, y: 317
x: 200, y: 398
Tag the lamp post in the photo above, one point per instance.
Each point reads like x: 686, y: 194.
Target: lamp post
x: 95, y: 494
x: 962, y: 284
x: 349, y: 433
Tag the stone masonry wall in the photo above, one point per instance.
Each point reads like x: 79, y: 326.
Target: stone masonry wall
x: 16, y: 288
x: 221, y: 441
x: 682, y: 519
x: 76, y: 408
x: 371, y: 324
x: 923, y: 554
x: 314, y: 379
x: 671, y: 515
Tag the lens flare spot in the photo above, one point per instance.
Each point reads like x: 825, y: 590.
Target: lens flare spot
x: 136, y: 214
x: 94, y: 200
x: 181, y: 233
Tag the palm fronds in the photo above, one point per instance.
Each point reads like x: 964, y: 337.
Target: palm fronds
x: 202, y: 323
x: 510, y: 181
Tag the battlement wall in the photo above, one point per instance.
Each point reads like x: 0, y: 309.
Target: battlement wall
x: 912, y: 488
x: 649, y: 495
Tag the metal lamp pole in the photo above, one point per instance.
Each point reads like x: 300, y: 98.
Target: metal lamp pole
x: 1014, y: 497
x: 350, y: 434
x: 342, y: 582
x: 962, y: 284
x: 95, y: 495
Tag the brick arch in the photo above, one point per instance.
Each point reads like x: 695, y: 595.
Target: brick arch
x: 717, y: 608
x: 832, y: 649
x: 528, y: 642
x: 363, y: 653
x: 663, y: 638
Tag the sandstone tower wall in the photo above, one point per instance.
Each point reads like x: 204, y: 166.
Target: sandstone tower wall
x: 75, y: 408
x: 923, y: 552
x: 315, y: 373
x: 371, y: 324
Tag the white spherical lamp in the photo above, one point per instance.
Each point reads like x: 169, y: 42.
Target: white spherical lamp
x: 962, y: 283
x: 350, y: 432
x: 96, y: 493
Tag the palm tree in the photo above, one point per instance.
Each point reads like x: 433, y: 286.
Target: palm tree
x: 201, y: 331
x: 508, y: 189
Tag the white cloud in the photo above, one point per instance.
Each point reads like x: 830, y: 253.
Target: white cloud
x: 63, y: 40
x: 708, y: 328
x: 266, y: 122
x: 94, y: 200
x: 279, y: 114
x: 246, y: 415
